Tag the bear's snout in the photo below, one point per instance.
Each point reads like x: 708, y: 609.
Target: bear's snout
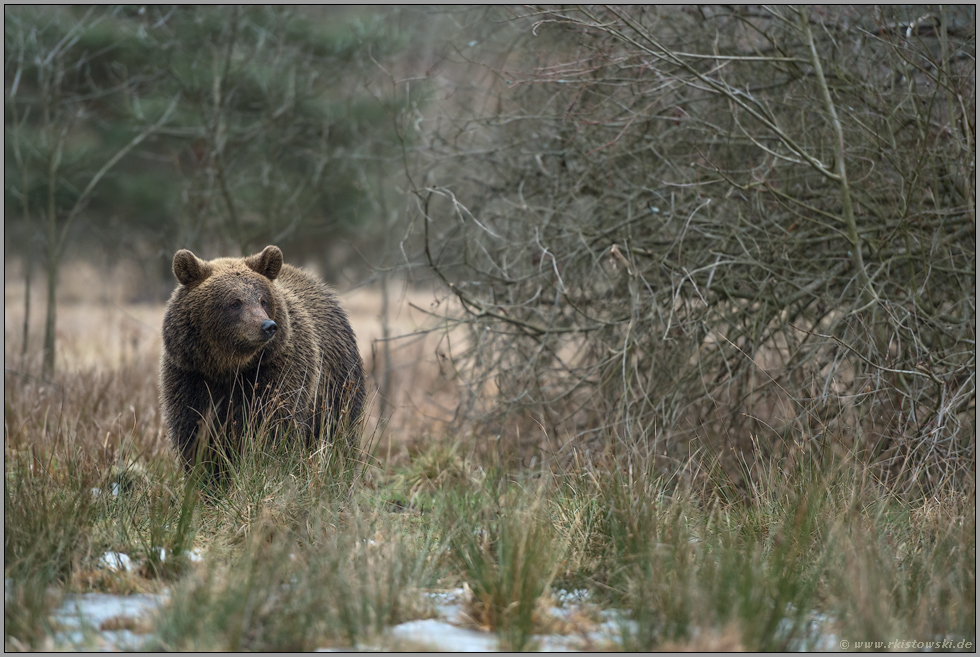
x: 269, y: 328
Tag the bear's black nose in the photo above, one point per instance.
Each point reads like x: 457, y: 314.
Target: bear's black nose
x: 269, y: 328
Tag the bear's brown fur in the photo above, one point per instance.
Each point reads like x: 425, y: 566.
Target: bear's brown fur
x: 249, y: 340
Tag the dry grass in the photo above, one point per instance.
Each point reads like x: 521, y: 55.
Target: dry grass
x: 309, y: 551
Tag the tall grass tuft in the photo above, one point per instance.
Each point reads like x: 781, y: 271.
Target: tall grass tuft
x: 152, y: 520
x: 501, y: 540
x: 906, y: 568
x: 338, y: 581
x: 47, y: 508
x: 808, y: 550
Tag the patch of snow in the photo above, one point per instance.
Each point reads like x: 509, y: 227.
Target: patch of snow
x: 447, y: 604
x: 117, y: 561
x: 81, y: 615
x: 440, y: 635
x: 574, y: 597
x: 818, y: 635
x: 96, y: 608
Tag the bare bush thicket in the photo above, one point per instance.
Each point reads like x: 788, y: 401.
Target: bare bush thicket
x: 752, y: 226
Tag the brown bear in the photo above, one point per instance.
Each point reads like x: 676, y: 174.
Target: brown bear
x: 253, y: 343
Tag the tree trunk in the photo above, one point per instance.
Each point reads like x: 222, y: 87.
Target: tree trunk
x: 386, y: 392
x: 28, y: 268
x: 49, y: 319
x: 52, y: 253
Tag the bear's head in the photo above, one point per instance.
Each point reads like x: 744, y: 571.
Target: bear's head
x: 225, y: 312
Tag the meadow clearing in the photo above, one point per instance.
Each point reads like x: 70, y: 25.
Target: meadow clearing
x: 307, y: 551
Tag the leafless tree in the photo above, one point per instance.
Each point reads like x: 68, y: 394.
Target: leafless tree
x: 750, y: 225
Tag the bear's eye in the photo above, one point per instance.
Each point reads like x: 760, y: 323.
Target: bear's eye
x: 236, y: 304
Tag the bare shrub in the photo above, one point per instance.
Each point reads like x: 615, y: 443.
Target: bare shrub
x: 753, y: 225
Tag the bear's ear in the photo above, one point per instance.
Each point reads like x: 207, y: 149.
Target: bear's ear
x: 268, y: 263
x: 188, y: 268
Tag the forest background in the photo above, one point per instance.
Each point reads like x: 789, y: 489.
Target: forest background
x: 715, y: 244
